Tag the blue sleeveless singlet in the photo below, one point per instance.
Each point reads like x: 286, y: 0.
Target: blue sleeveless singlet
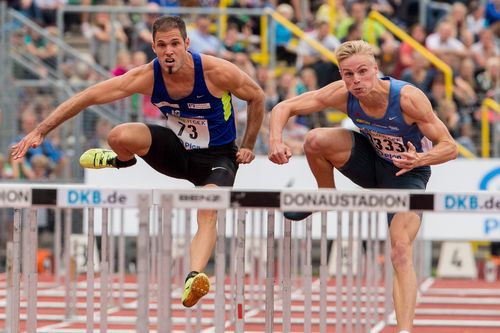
x: 200, y: 120
x: 389, y: 134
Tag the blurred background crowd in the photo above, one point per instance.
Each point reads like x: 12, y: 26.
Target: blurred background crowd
x: 463, y: 34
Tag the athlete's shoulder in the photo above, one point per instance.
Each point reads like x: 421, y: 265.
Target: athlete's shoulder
x: 414, y: 103
x: 409, y: 93
x: 142, y: 70
x: 221, y: 72
x: 213, y: 63
x: 335, y: 89
x: 140, y: 78
x: 337, y: 86
x: 333, y: 95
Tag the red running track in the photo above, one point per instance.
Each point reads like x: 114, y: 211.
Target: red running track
x: 447, y: 306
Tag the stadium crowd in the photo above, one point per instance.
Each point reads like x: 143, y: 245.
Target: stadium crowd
x: 467, y: 37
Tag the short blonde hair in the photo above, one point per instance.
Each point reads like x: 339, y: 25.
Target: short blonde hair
x: 352, y: 47
x: 285, y: 10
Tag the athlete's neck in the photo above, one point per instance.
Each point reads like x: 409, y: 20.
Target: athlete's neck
x: 379, y: 93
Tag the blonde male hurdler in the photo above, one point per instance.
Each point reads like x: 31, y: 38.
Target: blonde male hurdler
x: 399, y: 138
x: 194, y: 93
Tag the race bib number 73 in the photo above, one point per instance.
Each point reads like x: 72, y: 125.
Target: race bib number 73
x: 193, y: 133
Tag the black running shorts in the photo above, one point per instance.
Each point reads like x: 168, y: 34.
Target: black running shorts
x: 214, y: 165
x: 368, y: 170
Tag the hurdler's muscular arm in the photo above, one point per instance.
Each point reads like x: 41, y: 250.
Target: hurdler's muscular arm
x: 417, y: 109
x: 333, y: 95
x: 137, y: 80
x: 225, y: 76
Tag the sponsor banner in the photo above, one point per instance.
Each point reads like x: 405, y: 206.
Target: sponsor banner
x: 15, y: 197
x: 460, y: 226
x: 200, y: 198
x: 320, y: 200
x: 87, y: 197
x: 487, y: 202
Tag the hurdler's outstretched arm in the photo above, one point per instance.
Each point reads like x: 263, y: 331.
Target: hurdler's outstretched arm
x: 137, y: 80
x: 333, y: 95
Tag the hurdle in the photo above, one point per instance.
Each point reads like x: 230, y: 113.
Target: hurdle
x: 356, y: 300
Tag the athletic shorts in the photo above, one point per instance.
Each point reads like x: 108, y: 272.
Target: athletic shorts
x: 368, y: 170
x: 213, y: 165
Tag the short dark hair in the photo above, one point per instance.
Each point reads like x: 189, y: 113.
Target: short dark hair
x: 166, y: 23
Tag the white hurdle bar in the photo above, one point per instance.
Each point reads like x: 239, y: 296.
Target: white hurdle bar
x: 356, y: 298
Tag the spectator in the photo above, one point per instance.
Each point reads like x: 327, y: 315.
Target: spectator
x: 248, y: 24
x: 405, y: 58
x: 28, y: 123
x: 354, y: 32
x: 242, y: 60
x: 138, y: 58
x: 232, y: 42
x: 457, y: 18
x: 100, y: 139
x: 373, y: 31
x: 288, y: 86
x: 302, y: 13
x: 100, y: 33
x: 443, y: 43
x: 81, y: 73
x: 285, y: 52
x: 19, y: 169
x: 28, y: 8
x: 40, y: 47
x: 141, y: 104
x: 447, y: 112
x: 489, y: 79
x: 467, y: 72
x: 48, y: 10
x: 326, y: 71
x: 202, y: 41
x: 267, y: 82
x: 122, y: 18
x: 5, y: 168
x: 492, y: 15
x: 309, y: 79
x: 324, y: 12
x: 122, y: 63
x: 40, y: 167
x: 309, y: 82
x: 487, y: 47
x: 142, y: 37
x: 460, y: 130
x: 384, y: 7
x: 419, y: 73
x: 475, y: 19
x: 464, y: 83
x: 438, y: 91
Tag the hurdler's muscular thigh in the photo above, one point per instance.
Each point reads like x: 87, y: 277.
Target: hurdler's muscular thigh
x: 133, y: 137
x: 334, y: 144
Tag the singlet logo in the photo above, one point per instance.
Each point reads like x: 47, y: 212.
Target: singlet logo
x: 362, y: 121
x: 161, y: 104
x: 199, y: 106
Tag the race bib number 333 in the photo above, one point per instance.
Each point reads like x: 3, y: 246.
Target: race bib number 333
x: 388, y: 146
x: 192, y: 132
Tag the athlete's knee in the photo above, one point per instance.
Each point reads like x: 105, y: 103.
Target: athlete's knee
x: 313, y: 142
x: 118, y: 136
x: 401, y: 254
